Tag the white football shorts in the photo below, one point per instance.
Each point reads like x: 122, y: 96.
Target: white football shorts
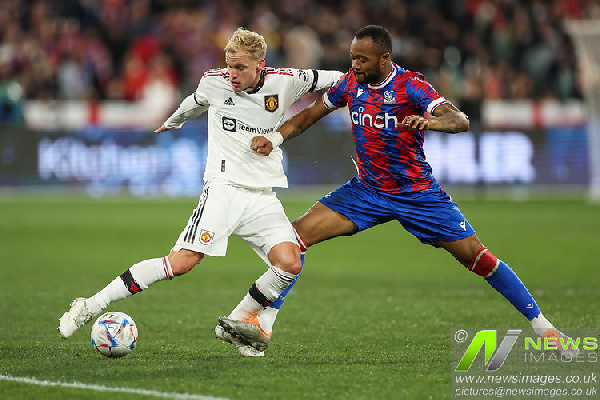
x: 256, y: 216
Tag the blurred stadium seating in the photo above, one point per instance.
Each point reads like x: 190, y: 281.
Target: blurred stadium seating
x: 119, y: 49
x: 77, y: 68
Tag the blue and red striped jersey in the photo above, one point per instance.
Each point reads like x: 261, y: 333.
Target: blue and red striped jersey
x: 389, y: 157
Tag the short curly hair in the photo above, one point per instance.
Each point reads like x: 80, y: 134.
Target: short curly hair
x: 378, y: 34
x: 245, y: 41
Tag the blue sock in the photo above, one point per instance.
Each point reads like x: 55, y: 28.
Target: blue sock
x: 505, y: 281
x: 277, y: 303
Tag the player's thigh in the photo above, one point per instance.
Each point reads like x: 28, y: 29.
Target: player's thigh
x: 432, y: 217
x: 320, y: 223
x: 219, y: 210
x: 265, y: 227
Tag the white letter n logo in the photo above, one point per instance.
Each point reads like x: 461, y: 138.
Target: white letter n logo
x: 488, y: 340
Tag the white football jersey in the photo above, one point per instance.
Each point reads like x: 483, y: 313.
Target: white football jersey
x: 234, y: 118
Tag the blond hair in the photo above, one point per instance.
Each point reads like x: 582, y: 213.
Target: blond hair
x: 245, y: 41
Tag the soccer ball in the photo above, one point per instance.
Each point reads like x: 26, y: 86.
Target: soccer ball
x: 114, y: 334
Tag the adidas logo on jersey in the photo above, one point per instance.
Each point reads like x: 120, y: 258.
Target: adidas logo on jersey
x: 229, y: 102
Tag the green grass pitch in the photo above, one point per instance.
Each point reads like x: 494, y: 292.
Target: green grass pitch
x: 371, y: 317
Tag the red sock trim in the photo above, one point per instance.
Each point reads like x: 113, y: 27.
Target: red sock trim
x: 301, y: 243
x: 167, y: 268
x: 484, y: 262
x: 132, y: 286
x: 476, y: 257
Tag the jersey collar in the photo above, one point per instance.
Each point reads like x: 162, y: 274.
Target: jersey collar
x: 387, y: 80
x: 259, y: 85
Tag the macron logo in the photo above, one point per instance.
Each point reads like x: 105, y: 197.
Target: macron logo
x: 463, y: 225
x: 359, y: 91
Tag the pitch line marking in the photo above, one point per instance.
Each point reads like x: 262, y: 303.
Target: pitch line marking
x: 102, y: 388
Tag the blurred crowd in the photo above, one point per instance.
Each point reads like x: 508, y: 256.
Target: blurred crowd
x: 156, y: 50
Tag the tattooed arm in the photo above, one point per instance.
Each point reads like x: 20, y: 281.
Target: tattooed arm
x: 446, y: 118
x: 292, y: 127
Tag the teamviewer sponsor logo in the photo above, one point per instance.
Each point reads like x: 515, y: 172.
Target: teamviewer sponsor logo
x: 229, y: 124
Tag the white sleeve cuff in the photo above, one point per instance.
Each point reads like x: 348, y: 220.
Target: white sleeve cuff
x: 328, y: 103
x: 433, y: 105
x: 275, y: 138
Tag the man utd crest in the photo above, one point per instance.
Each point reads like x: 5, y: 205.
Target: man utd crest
x: 271, y: 102
x: 206, y: 237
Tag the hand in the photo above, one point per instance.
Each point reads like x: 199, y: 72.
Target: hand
x: 161, y: 129
x: 416, y: 123
x: 261, y: 145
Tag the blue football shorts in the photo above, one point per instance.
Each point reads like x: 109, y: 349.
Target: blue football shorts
x: 429, y: 215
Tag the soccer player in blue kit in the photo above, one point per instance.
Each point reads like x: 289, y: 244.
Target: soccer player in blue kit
x: 387, y: 106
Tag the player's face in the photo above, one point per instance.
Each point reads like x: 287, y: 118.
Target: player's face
x: 367, y: 61
x: 244, y: 72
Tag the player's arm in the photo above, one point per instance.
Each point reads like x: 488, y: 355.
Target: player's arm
x: 300, y: 122
x: 446, y: 118
x: 324, y: 79
x: 291, y: 128
x: 191, y: 107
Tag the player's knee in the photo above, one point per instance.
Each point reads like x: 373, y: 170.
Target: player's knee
x: 286, y: 256
x: 484, y: 263
x: 290, y: 263
x: 183, y: 261
x: 294, y: 266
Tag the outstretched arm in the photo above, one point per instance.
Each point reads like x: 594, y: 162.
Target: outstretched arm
x: 189, y: 108
x: 446, y: 118
x: 162, y: 128
x: 291, y: 128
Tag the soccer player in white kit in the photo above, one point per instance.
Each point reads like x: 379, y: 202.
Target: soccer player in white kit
x: 244, y: 100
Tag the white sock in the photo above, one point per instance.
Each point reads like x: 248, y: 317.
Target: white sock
x: 247, y: 307
x: 271, y: 284
x: 135, y: 279
x: 266, y: 318
x: 540, y: 324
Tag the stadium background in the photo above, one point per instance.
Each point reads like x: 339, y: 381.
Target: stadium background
x: 84, y: 83
x: 86, y: 190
